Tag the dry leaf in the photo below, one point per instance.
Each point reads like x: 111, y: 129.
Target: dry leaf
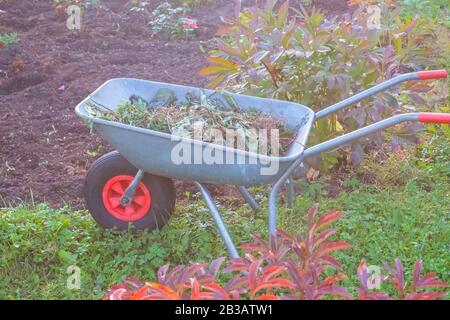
x: 312, y: 175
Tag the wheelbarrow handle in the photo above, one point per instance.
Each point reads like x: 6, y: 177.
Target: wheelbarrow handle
x: 343, y: 140
x: 429, y: 117
x: 340, y: 141
x: 432, y: 74
x: 420, y: 75
x: 425, y: 117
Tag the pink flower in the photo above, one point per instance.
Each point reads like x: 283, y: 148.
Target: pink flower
x: 190, y: 23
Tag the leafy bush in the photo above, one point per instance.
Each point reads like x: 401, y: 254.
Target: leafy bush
x: 386, y: 167
x: 318, y: 62
x: 285, y: 268
x: 195, y: 3
x: 139, y: 5
x: 171, y: 22
x: 438, y: 10
x: 425, y: 164
x: 433, y: 156
x: 8, y: 38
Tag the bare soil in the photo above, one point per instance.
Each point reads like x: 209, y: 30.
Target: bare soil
x: 45, y: 150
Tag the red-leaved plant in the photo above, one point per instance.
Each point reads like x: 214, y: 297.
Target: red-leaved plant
x: 285, y: 268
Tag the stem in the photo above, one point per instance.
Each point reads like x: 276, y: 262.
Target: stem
x: 272, y: 75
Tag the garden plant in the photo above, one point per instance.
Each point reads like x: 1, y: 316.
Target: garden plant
x: 172, y: 22
x: 287, y: 267
x: 306, y: 58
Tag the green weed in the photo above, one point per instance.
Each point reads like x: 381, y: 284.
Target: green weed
x: 8, y: 38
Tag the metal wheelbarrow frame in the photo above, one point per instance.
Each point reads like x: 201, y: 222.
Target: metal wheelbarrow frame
x: 149, y: 150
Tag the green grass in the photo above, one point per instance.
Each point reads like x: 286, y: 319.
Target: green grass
x: 382, y: 222
x: 437, y: 10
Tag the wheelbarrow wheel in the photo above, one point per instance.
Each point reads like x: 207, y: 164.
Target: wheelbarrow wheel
x: 106, y: 182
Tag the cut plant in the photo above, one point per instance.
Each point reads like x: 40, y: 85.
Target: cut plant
x: 200, y: 118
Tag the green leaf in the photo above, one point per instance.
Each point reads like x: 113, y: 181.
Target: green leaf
x: 223, y: 62
x: 211, y: 70
x: 229, y: 50
x: 216, y: 81
x: 67, y: 257
x: 282, y: 14
x: 260, y: 55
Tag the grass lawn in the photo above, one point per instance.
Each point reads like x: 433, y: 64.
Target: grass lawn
x: 404, y: 213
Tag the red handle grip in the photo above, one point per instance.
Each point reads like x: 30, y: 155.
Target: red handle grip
x: 428, y: 117
x: 432, y: 74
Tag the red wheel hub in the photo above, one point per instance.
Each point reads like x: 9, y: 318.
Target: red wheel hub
x: 113, y: 191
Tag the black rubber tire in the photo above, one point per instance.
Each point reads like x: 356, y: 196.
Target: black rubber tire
x: 113, y: 164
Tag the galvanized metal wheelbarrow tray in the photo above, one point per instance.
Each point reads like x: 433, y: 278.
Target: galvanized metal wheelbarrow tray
x: 151, y: 151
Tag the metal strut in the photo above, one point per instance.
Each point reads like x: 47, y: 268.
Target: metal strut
x: 290, y: 192
x: 131, y: 190
x: 218, y: 220
x: 248, y: 197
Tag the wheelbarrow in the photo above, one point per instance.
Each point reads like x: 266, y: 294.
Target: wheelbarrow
x: 133, y: 185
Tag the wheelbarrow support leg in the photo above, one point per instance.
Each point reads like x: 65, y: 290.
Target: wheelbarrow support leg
x: 273, y: 198
x: 129, y: 192
x: 218, y: 220
x: 248, y: 197
x: 290, y: 192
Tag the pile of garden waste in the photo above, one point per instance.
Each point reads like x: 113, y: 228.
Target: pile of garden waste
x: 162, y: 113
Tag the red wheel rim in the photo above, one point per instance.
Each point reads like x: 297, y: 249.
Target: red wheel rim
x: 113, y: 192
